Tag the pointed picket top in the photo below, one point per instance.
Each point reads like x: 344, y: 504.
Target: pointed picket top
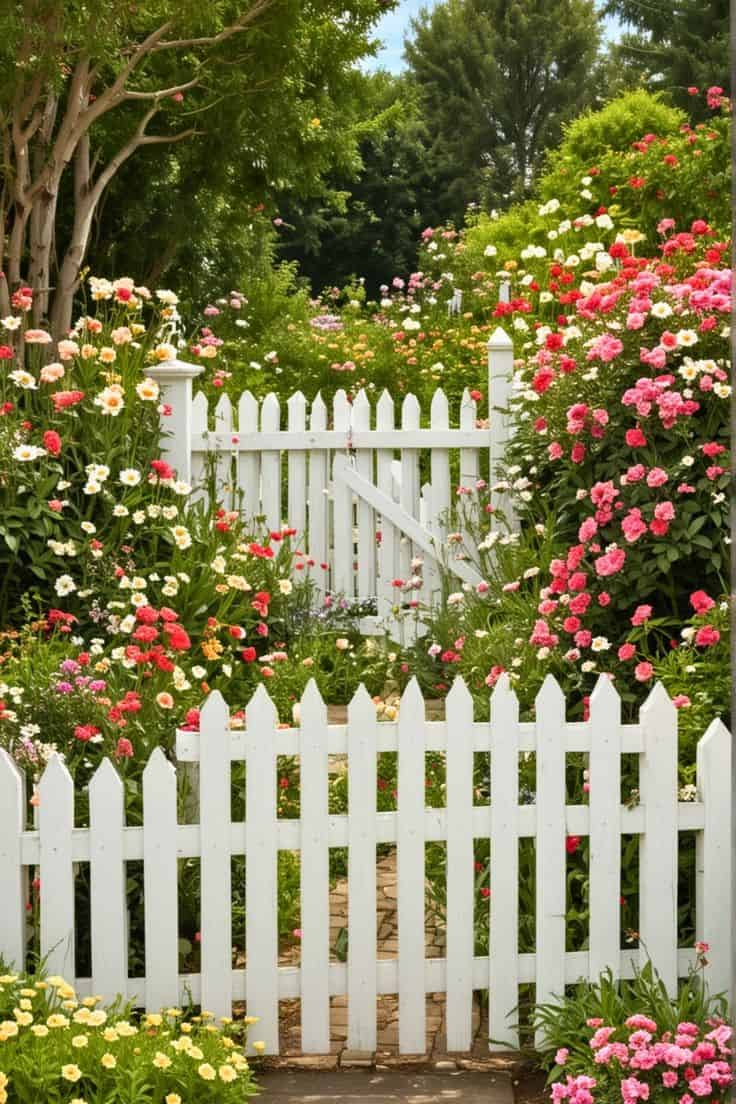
x: 467, y: 411
x: 260, y: 708
x: 296, y: 404
x: 439, y: 411
x: 362, y: 410
x: 550, y: 697
x: 158, y: 769
x: 270, y: 413
x: 385, y: 411
x: 10, y: 772
x: 248, y: 413
x: 224, y: 414
x: 459, y: 697
x: 410, y: 412
x: 105, y: 783
x: 318, y: 413
x: 200, y: 413
x: 312, y: 702
x: 658, y: 702
x: 499, y: 339
x: 361, y: 706
x: 215, y: 713
x: 340, y: 410
x: 55, y: 775
x: 412, y: 702
x: 503, y: 695
x: 716, y: 739
x: 605, y: 696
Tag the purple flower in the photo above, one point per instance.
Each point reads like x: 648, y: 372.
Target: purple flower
x: 69, y: 666
x: 97, y: 685
x: 64, y: 688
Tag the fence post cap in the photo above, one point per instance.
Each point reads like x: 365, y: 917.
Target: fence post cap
x: 499, y: 339
x: 174, y: 369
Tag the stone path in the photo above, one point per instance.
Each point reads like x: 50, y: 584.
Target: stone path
x: 387, y: 1051
x: 385, y: 1087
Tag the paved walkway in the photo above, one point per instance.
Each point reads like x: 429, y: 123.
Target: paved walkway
x: 379, y: 1087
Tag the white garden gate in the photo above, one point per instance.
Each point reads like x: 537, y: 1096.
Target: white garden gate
x: 353, y: 480
x: 55, y: 845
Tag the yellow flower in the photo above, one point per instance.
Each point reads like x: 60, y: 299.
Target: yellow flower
x: 97, y: 1018
x: 315, y: 123
x: 107, y: 355
x: 164, y: 352
x: 227, y: 1073
x: 251, y: 1019
x: 206, y: 1072
x: 8, y: 1030
x: 186, y: 1028
x: 259, y: 1046
x: 24, y: 1002
x: 81, y: 1016
x: 175, y: 1012
x: 27, y: 993
x: 77, y: 1100
x: 23, y: 1019
x: 195, y: 1053
x: 79, y: 1041
x: 108, y: 1060
x: 56, y: 980
x: 184, y: 1043
x: 161, y: 1061
x: 40, y: 1031
x: 110, y: 1035
x: 8, y: 979
x: 172, y: 1098
x: 71, y: 1072
x: 124, y: 1029
x: 90, y: 1002
x: 3, y: 1080
x: 153, y: 1019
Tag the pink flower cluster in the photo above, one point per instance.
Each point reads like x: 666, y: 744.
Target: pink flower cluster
x: 686, y: 1061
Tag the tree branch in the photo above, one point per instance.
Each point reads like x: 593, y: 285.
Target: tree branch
x: 161, y: 93
x: 254, y: 13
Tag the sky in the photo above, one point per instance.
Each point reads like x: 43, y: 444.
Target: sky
x: 395, y: 24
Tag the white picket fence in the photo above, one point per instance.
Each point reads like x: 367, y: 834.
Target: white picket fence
x: 353, y: 488
x: 55, y: 845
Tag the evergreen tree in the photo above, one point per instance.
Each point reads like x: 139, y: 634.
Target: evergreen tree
x: 496, y: 80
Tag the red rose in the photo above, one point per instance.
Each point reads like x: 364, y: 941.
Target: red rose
x: 248, y: 655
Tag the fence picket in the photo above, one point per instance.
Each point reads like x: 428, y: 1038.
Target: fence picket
x: 551, y: 854
x: 315, y: 873
x: 365, y: 517
x: 249, y: 463
x: 318, y: 461
x: 12, y: 880
x: 160, y: 878
x: 409, y: 496
x: 362, y: 772
x: 271, y: 464
x: 388, y: 547
x: 55, y: 823
x: 342, y: 505
x: 261, y: 867
x: 713, y: 852
x: 215, y: 876
x: 503, y: 986
x: 224, y: 466
x: 108, y: 905
x: 440, y: 470
x: 469, y: 472
x: 410, y: 870
x: 200, y: 424
x: 460, y: 873
x: 605, y: 827
x: 297, y: 469
x: 658, y: 844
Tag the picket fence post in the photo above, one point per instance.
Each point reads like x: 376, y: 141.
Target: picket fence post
x: 174, y: 378
x: 713, y: 863
x: 500, y: 377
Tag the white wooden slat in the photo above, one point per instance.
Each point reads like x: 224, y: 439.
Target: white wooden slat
x: 55, y: 823
x: 318, y: 514
x: 297, y: 469
x: 282, y: 440
x: 261, y: 868
x: 200, y: 425
x: 550, y: 846
x: 215, y: 873
x: 366, y: 522
x: 315, y: 874
x: 342, y: 506
x: 658, y: 844
x: 388, y: 563
x: 410, y: 871
x: 429, y: 570
x: 713, y: 857
x: 500, y: 378
x: 410, y: 488
x: 440, y: 470
x: 271, y: 465
x: 503, y: 986
x: 12, y: 880
x: 469, y: 472
x: 249, y: 463
x: 108, y: 904
x: 224, y: 468
x: 460, y: 869
x: 362, y: 777
x: 160, y: 882
x: 605, y: 827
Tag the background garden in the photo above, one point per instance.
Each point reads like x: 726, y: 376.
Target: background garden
x: 233, y: 187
